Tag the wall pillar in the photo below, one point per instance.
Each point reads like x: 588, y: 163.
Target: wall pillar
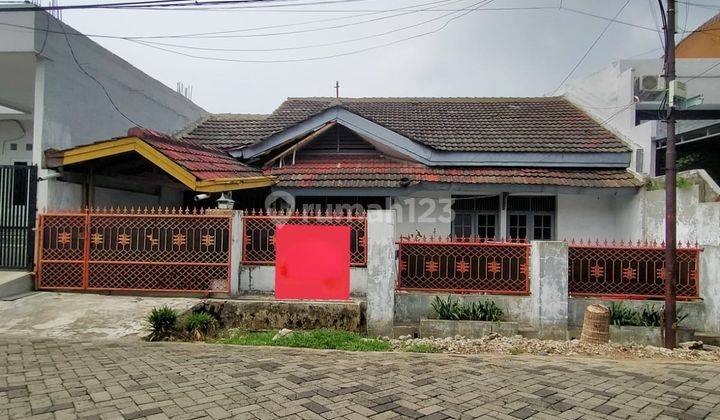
x: 382, y: 273
x: 549, y: 288
x: 710, y: 286
x: 236, y: 250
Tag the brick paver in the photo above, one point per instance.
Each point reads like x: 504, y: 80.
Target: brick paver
x: 130, y: 380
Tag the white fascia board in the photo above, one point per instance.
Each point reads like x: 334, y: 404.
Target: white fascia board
x: 429, y: 156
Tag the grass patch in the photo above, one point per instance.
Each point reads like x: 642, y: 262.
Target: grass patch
x: 315, y: 339
x: 421, y: 348
x: 516, y: 351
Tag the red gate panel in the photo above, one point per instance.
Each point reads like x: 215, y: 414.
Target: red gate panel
x: 312, y: 262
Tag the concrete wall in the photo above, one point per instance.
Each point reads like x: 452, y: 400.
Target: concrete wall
x: 16, y: 132
x: 261, y: 279
x: 549, y: 288
x: 410, y: 307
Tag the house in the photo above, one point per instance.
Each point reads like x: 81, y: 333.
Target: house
x: 535, y: 168
x: 703, y: 42
x: 626, y: 96
x: 59, y: 89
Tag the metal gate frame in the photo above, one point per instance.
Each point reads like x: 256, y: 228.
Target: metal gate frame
x: 125, y: 252
x: 17, y: 221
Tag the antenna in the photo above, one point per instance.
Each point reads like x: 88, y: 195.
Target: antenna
x: 337, y: 88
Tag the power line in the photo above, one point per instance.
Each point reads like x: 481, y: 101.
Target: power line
x: 85, y: 72
x: 597, y: 39
x: 443, y: 26
x: 158, y: 3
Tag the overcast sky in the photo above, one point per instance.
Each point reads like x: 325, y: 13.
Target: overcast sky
x: 522, y: 52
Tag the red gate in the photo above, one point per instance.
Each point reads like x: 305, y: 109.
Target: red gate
x: 148, y: 250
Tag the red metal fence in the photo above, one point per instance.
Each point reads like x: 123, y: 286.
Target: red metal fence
x: 630, y: 270
x: 259, y: 233
x: 462, y: 265
x: 148, y: 250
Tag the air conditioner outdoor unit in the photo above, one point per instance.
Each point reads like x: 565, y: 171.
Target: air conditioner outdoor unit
x: 651, y: 84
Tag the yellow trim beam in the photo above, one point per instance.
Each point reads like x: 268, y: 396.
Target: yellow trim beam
x: 136, y: 144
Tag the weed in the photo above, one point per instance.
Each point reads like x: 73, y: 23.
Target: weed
x: 516, y: 350
x: 161, y: 323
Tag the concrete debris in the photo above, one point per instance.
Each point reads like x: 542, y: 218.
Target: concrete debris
x: 496, y: 343
x: 691, y: 345
x: 282, y: 333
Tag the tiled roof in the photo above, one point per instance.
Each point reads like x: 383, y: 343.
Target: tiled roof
x: 203, y: 162
x: 546, y: 124
x: 381, y: 172
x: 226, y: 131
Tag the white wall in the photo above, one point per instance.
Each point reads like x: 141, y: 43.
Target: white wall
x: 19, y: 133
x: 427, y: 213
x: 585, y: 217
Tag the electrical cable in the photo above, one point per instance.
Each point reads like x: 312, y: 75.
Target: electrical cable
x: 597, y: 39
x: 317, y: 57
x: 107, y: 94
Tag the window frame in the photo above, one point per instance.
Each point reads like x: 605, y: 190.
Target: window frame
x: 475, y: 223
x: 530, y: 225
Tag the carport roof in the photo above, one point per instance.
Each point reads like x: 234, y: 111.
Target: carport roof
x: 199, y: 167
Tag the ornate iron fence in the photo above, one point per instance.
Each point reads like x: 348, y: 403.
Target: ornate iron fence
x: 259, y: 233
x: 462, y: 265
x: 630, y: 270
x: 137, y: 250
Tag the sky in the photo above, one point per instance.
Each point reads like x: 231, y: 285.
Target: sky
x: 456, y: 47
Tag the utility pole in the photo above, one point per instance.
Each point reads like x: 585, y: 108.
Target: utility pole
x: 670, y: 177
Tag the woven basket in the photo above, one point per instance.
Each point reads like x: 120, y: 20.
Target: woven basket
x: 596, y: 325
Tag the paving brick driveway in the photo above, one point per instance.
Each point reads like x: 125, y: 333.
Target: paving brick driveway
x: 129, y: 379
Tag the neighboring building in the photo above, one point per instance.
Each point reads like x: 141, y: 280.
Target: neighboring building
x: 626, y: 97
x: 703, y: 42
x: 50, y: 101
x: 536, y: 168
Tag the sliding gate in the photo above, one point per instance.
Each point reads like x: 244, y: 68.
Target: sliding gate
x: 18, y: 192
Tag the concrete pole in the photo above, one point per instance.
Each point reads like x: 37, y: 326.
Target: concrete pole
x: 670, y: 188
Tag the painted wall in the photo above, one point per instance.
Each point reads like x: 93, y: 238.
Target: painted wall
x: 427, y: 213
x: 18, y: 134
x: 586, y: 216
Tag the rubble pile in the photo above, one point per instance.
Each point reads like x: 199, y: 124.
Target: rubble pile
x: 496, y: 343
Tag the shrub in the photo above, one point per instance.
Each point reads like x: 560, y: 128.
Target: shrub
x: 451, y: 309
x: 650, y: 315
x: 161, y: 323
x: 446, y: 309
x: 199, y: 324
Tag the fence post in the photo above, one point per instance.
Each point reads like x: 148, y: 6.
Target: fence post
x: 710, y: 286
x: 236, y: 249
x: 549, y: 288
x: 382, y: 274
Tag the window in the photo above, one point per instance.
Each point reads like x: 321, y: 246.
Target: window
x: 475, y: 217
x: 13, y: 146
x: 28, y: 147
x: 531, y: 217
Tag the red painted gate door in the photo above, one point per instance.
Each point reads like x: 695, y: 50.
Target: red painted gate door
x: 312, y: 262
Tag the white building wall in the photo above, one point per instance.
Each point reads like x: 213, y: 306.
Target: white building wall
x: 18, y: 133
x: 427, y: 213
x: 585, y: 216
